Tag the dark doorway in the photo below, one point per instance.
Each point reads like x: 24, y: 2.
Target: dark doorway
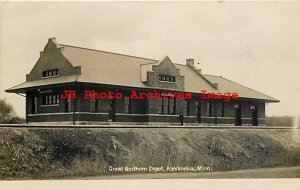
x: 254, y: 116
x: 112, y: 110
x: 237, y: 115
x: 198, y: 107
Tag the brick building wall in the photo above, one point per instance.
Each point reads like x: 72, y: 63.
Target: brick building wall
x: 146, y: 110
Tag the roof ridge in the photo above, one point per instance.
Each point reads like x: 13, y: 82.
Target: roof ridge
x: 149, y: 63
x: 107, y: 52
x: 179, y: 64
x: 244, y: 86
x: 214, y: 75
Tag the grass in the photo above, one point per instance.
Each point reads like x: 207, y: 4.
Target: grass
x: 286, y: 121
x: 65, y: 153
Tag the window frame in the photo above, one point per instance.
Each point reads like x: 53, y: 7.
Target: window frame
x: 68, y: 105
x: 50, y: 73
x: 166, y: 78
x: 209, y: 109
x: 50, y: 100
x: 127, y: 104
x: 93, y: 105
x: 222, y: 109
x: 187, y: 107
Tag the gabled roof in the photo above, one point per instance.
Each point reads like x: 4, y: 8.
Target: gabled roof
x: 226, y: 85
x: 125, y: 70
x: 106, y: 67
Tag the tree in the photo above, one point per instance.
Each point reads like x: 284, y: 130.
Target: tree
x: 7, y: 113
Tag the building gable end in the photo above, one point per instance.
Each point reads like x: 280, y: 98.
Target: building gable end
x: 51, y: 63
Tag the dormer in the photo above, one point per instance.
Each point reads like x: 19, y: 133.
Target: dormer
x: 162, y: 74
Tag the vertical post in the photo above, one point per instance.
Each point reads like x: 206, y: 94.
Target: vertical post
x: 73, y: 112
x: 74, y: 106
x: 216, y: 114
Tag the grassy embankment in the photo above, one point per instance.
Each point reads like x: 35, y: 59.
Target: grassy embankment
x: 57, y: 153
x: 287, y: 121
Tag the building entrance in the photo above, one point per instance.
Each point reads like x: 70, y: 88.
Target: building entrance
x: 254, y: 115
x: 112, y: 110
x: 198, y: 107
x: 237, y: 115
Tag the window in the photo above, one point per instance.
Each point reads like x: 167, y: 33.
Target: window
x: 222, y: 109
x: 161, y: 105
x: 171, y: 106
x: 164, y: 105
x: 57, y: 99
x: 187, y: 105
x: 50, y: 73
x: 50, y: 99
x: 209, y: 109
x: 127, y: 104
x: 167, y: 106
x: 93, y: 105
x: 34, y: 105
x: 167, y: 78
x: 199, y: 110
x: 68, y: 105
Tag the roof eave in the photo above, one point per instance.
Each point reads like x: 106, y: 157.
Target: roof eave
x: 261, y: 100
x: 24, y: 90
x: 17, y: 90
x: 273, y: 101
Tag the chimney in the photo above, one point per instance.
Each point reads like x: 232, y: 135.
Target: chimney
x: 190, y: 62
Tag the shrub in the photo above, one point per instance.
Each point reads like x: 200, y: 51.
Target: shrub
x: 6, y: 111
x: 16, y: 120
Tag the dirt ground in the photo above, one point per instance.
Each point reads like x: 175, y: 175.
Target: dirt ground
x: 282, y: 172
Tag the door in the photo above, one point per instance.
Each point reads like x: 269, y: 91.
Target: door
x: 112, y: 110
x: 254, y: 116
x: 198, y: 107
x: 237, y: 115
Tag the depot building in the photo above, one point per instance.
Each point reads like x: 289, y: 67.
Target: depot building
x: 63, y: 67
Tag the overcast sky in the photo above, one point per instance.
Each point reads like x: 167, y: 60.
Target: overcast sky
x: 253, y: 43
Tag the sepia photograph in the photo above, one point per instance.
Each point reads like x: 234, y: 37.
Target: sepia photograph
x: 140, y: 91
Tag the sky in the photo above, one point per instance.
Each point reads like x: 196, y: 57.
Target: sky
x: 256, y: 44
